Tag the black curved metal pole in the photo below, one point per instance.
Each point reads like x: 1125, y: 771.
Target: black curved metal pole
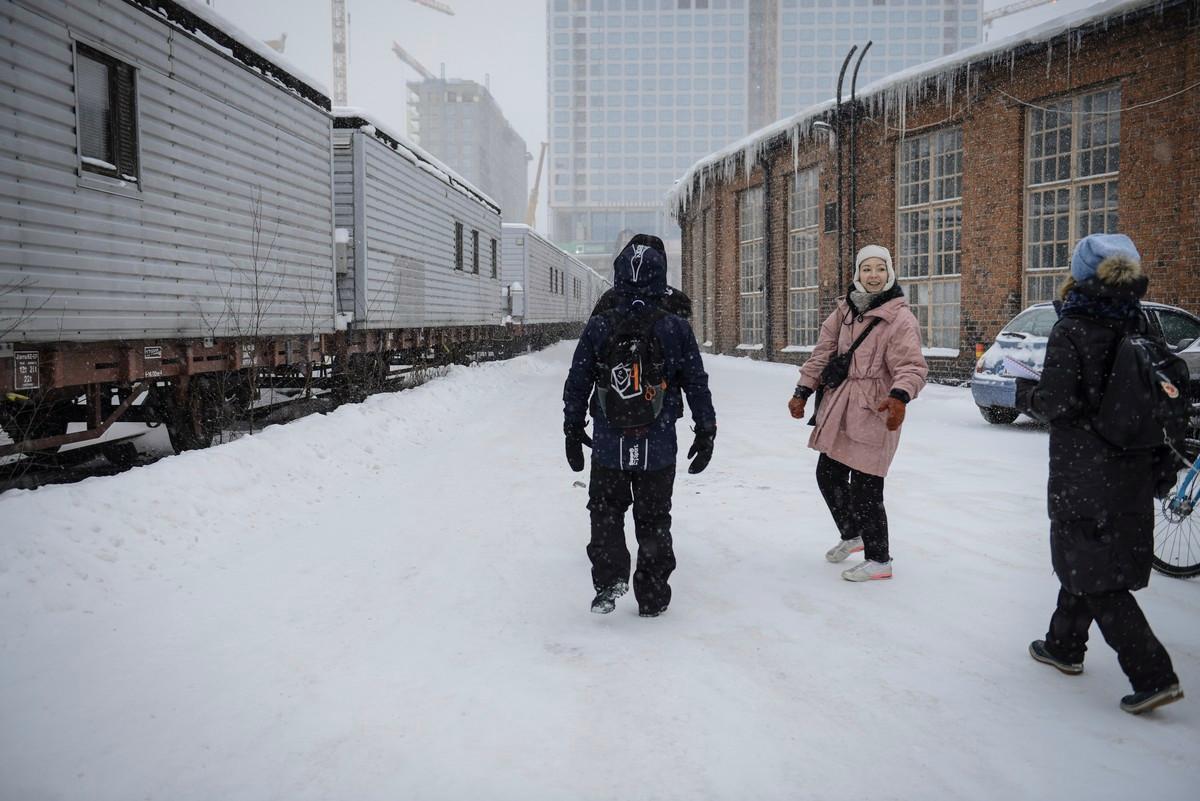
x: 838, y: 136
x: 854, y: 152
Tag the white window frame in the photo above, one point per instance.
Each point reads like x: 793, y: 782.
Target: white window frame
x: 709, y: 303
x: 751, y: 268
x: 696, y: 284
x: 932, y: 277
x: 1080, y: 219
x: 804, y: 250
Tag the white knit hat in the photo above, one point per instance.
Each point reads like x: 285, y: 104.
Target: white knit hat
x: 874, y: 252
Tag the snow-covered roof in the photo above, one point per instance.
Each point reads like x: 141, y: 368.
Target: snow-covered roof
x: 204, y: 22
x: 527, y: 230
x: 355, y: 117
x: 892, y: 94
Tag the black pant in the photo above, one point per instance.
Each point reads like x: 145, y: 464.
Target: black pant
x: 855, y: 500
x: 609, y: 494
x: 1125, y: 629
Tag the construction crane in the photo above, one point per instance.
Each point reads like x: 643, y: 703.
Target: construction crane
x: 339, y: 51
x: 531, y: 212
x: 1013, y: 8
x: 278, y: 44
x: 411, y: 61
x: 341, y: 43
x: 436, y: 6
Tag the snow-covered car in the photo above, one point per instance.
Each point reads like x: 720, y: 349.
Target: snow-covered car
x: 1024, y: 339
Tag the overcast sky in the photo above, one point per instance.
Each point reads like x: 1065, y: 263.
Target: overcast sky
x: 505, y: 39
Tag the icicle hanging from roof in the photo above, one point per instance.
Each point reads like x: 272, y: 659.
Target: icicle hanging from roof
x: 893, y: 94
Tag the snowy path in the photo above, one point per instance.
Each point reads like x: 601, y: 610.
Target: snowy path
x: 390, y: 602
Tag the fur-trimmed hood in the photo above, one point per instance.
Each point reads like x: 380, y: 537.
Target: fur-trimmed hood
x: 1117, y: 278
x: 1106, y: 266
x: 1119, y: 270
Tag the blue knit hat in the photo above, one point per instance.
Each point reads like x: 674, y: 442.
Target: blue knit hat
x: 1093, y: 249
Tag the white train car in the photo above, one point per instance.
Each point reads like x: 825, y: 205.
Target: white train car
x: 578, y: 288
x: 167, y: 214
x: 421, y: 245
x: 159, y: 179
x: 546, y: 286
x: 182, y: 222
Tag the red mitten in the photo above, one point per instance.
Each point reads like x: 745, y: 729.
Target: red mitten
x: 895, y: 411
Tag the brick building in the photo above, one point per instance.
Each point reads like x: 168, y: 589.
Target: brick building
x: 978, y: 171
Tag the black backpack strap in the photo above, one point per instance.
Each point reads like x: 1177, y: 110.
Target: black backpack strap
x: 858, y: 341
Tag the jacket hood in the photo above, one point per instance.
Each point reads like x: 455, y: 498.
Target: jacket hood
x: 1118, y: 278
x: 641, y: 267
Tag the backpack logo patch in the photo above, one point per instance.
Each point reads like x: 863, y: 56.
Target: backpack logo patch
x: 1169, y: 388
x: 623, y: 380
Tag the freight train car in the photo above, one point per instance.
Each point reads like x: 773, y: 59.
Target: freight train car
x: 167, y: 212
x: 186, y: 221
x: 549, y: 290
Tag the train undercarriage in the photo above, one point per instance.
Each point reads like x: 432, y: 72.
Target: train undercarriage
x: 58, y: 401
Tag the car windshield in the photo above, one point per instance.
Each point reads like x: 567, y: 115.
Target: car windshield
x: 1033, y: 322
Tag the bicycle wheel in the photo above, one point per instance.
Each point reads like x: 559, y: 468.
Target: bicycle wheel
x: 1177, y: 531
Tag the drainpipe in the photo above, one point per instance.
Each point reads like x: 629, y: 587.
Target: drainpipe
x: 765, y: 163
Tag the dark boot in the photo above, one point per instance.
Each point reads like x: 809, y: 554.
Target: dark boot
x: 1037, y: 649
x: 606, y: 599
x: 1137, y: 703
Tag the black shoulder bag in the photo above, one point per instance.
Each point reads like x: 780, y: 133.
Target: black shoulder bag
x: 838, y: 368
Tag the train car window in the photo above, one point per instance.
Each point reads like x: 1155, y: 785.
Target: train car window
x: 106, y: 106
x: 475, y: 252
x: 458, y: 246
x: 494, y: 263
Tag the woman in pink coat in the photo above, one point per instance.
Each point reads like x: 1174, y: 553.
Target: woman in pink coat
x: 858, y: 420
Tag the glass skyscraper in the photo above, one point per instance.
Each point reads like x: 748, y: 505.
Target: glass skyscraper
x: 814, y: 36
x: 641, y: 89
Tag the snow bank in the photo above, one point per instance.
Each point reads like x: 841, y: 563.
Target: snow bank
x: 391, y: 601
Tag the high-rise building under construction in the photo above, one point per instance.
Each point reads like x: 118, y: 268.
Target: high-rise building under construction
x: 460, y: 123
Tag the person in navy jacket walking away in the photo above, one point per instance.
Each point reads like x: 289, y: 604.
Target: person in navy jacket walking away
x: 627, y: 372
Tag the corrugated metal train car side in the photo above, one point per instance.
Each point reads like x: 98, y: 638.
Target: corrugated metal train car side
x: 226, y: 228
x: 423, y: 245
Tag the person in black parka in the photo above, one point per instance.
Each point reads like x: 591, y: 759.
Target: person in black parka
x: 1100, y: 499
x: 636, y: 465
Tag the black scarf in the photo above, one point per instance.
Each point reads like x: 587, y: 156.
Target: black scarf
x: 1094, y: 298
x: 877, y: 300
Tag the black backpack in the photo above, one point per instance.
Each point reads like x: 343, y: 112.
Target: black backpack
x: 631, y: 382
x: 673, y: 300
x: 1145, y: 402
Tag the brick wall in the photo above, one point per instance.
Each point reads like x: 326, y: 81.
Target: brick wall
x: 1149, y: 58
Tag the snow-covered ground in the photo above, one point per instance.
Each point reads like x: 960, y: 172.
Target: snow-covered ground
x: 391, y: 602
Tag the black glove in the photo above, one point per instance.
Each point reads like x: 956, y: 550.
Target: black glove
x: 576, y: 439
x: 702, y: 448
x: 1025, y: 389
